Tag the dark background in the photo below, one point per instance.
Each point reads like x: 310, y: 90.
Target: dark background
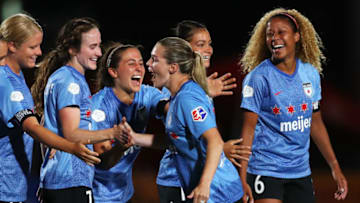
x: 230, y: 23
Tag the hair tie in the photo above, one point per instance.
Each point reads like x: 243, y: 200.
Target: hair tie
x: 108, y: 61
x: 291, y: 18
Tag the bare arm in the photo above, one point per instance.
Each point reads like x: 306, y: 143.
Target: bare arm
x: 33, y: 128
x: 321, y: 138
x: 247, y: 133
x: 70, y: 120
x: 213, y: 153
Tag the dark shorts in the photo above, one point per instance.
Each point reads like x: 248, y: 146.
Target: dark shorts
x: 169, y: 194
x: 288, y: 190
x: 68, y: 195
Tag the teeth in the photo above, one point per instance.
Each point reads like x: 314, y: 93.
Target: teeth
x: 278, y: 46
x: 94, y: 59
x: 206, y: 57
x: 136, y: 77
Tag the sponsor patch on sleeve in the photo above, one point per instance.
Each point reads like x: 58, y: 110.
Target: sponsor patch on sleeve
x: 199, y: 114
x: 74, y: 88
x: 248, y: 91
x: 16, y: 96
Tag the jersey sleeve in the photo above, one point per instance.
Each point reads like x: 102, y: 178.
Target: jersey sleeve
x: 317, y: 94
x: 68, y: 93
x: 100, y: 114
x: 158, y: 99
x: 197, y: 114
x: 253, y: 92
x: 13, y: 104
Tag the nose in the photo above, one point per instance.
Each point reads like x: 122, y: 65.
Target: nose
x: 98, y: 52
x: 209, y: 49
x: 38, y: 51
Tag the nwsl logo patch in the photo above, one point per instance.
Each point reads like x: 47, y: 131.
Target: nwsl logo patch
x: 308, y: 90
x: 199, y: 114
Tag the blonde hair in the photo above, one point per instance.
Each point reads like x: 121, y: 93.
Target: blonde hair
x: 308, y: 49
x: 179, y: 51
x: 19, y: 28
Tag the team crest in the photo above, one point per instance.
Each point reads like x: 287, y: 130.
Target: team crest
x: 199, y: 114
x: 308, y: 90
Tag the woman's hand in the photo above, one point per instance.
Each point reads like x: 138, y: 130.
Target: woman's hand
x: 200, y: 194
x: 220, y: 86
x: 235, y: 151
x: 81, y: 151
x: 342, y: 186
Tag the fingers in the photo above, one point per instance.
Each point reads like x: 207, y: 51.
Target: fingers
x: 213, y: 76
x: 226, y: 93
x: 240, y: 150
x: 229, y: 86
x: 225, y: 76
x: 52, y: 153
x: 341, y: 193
x: 239, y: 157
x: 191, y: 195
x: 234, y: 161
x: 90, y: 157
x: 236, y: 141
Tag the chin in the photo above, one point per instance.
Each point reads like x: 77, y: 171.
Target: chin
x: 207, y: 65
x: 30, y: 65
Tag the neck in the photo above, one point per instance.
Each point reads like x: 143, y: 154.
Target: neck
x: 14, y: 66
x: 176, y: 81
x: 123, y: 96
x: 286, y: 66
x: 75, y: 64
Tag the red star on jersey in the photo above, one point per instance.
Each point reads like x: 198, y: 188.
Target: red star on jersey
x: 276, y: 110
x: 291, y: 109
x: 88, y: 113
x: 304, y: 107
x: 175, y: 136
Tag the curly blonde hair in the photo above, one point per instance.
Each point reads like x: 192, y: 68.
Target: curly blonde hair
x: 308, y: 49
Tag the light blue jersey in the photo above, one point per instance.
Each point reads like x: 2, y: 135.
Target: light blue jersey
x: 284, y: 105
x: 66, y: 87
x: 191, y: 113
x: 115, y: 185
x: 168, y: 175
x: 15, y: 145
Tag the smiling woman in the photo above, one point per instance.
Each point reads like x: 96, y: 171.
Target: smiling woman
x: 121, y: 94
x: 66, y: 104
x: 281, y: 96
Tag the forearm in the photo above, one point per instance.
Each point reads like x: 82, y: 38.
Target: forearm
x: 247, y: 134
x: 247, y: 141
x: 88, y: 136
x: 213, y: 154
x: 43, y: 135
x: 150, y: 140
x: 321, y: 138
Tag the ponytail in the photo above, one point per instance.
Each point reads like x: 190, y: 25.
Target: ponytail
x: 198, y: 73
